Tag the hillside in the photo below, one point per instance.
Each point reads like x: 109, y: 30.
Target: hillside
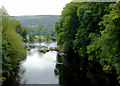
x: 46, y: 20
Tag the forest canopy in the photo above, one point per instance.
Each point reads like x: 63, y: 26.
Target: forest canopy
x: 91, y: 30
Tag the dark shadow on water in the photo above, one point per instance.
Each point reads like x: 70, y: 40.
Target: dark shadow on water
x: 78, y: 72
x: 74, y: 70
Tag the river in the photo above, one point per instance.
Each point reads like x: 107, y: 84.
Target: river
x: 38, y: 67
x: 59, y: 69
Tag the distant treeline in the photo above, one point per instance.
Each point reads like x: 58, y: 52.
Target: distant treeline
x: 40, y: 33
x: 92, y: 31
x: 46, y: 20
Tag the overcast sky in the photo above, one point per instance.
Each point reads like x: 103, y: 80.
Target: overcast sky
x: 34, y: 7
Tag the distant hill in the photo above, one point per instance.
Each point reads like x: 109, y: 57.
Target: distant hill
x: 46, y: 20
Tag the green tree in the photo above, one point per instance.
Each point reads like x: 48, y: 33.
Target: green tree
x: 91, y: 30
x: 6, y: 64
x: 47, y: 35
x: 16, y: 47
x: 12, y: 46
x: 67, y: 26
x: 31, y: 37
x: 89, y: 16
x: 105, y: 48
x: 40, y: 28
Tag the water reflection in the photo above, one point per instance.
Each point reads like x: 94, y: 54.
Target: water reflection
x: 37, y: 68
x: 72, y: 72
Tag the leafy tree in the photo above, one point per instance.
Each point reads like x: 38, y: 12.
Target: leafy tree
x: 12, y: 47
x: 0, y: 45
x: 105, y: 48
x: 47, y: 35
x: 89, y: 16
x: 67, y: 26
x: 19, y: 29
x: 40, y: 28
x: 30, y: 32
x: 31, y: 37
x: 24, y: 35
x: 91, y: 30
x: 6, y: 66
x: 16, y: 47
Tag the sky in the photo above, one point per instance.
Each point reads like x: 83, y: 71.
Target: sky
x: 34, y: 7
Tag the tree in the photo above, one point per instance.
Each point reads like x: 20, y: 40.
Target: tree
x: 40, y: 28
x: 105, y: 48
x: 67, y: 26
x: 91, y: 31
x: 89, y: 16
x: 31, y: 37
x: 12, y: 47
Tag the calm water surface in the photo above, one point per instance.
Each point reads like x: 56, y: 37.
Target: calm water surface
x: 38, y: 68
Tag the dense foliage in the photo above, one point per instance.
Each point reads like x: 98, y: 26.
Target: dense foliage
x: 91, y: 30
x: 106, y: 47
x: 67, y: 26
x: 40, y: 33
x: 12, y: 45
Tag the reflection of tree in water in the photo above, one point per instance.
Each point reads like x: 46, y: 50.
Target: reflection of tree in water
x: 75, y: 72
x: 15, y: 78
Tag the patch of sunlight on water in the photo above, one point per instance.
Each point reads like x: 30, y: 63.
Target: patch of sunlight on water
x: 38, y: 68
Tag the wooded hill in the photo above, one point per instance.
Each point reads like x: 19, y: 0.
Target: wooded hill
x: 46, y: 20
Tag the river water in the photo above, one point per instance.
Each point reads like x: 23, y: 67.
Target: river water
x: 38, y: 67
